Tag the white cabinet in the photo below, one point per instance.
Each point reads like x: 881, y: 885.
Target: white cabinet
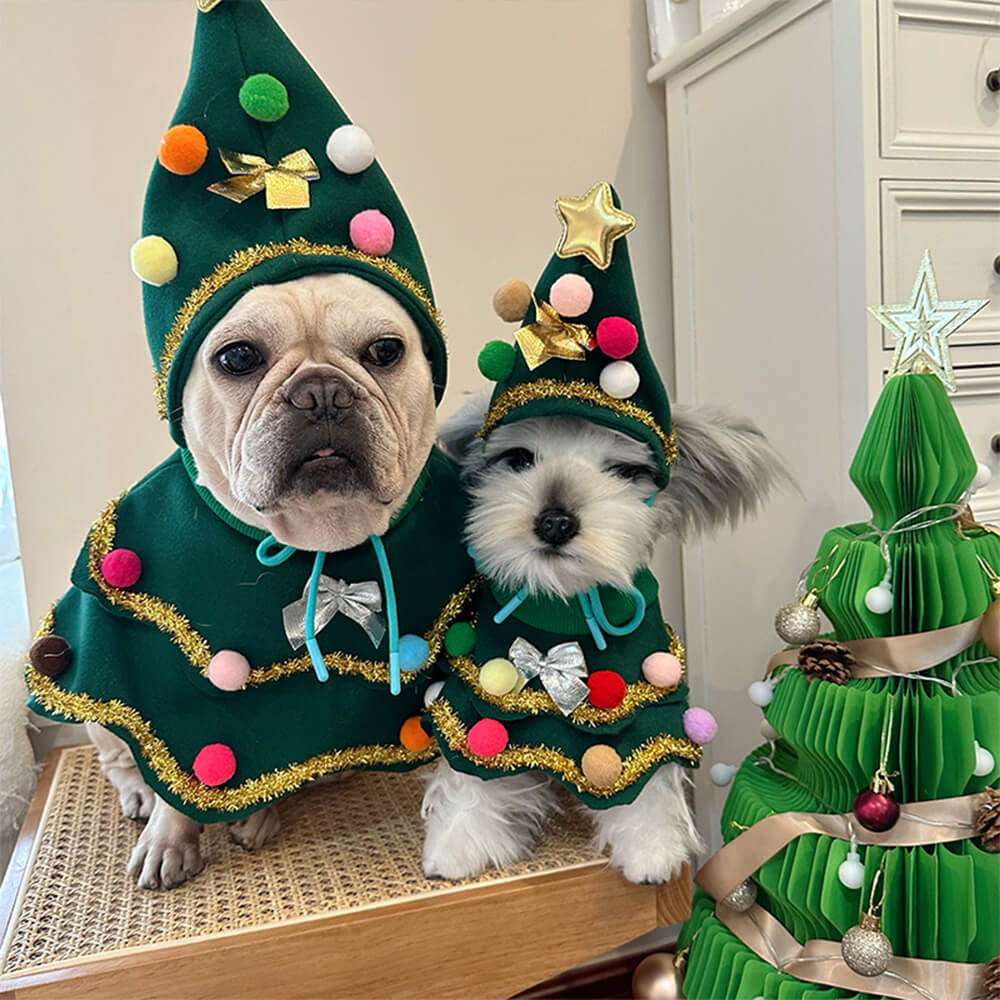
x: 815, y: 148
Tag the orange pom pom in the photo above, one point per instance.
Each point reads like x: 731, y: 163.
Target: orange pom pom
x: 413, y: 736
x: 183, y: 149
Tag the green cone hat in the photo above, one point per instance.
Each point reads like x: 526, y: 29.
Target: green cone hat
x: 581, y: 350
x: 262, y: 179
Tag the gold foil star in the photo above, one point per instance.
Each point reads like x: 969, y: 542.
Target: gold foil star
x: 550, y: 336
x: 591, y: 224
x: 206, y: 5
x: 923, y: 325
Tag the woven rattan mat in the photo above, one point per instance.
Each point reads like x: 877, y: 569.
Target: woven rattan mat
x: 346, y: 845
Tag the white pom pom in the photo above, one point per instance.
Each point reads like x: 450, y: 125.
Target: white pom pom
x: 851, y: 871
x: 769, y: 732
x: 432, y: 693
x: 620, y: 379
x: 981, y: 478
x: 761, y: 693
x: 878, y: 600
x: 985, y: 761
x: 722, y: 774
x: 350, y: 149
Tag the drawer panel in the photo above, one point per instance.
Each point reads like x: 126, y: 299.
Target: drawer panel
x: 934, y: 57
x: 959, y: 222
x: 977, y: 402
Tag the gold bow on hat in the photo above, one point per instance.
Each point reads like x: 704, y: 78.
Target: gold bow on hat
x: 286, y: 184
x: 550, y: 336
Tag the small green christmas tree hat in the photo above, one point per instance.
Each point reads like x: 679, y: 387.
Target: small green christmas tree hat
x: 581, y: 350
x: 261, y: 179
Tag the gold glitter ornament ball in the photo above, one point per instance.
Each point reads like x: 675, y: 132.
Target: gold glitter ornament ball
x: 797, y: 623
x: 511, y: 300
x: 656, y: 978
x: 601, y: 765
x: 742, y: 897
x: 866, y: 950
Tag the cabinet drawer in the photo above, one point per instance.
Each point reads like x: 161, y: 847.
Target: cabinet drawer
x: 977, y: 403
x: 934, y: 57
x: 959, y: 222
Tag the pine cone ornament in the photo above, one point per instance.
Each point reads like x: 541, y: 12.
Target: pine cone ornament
x: 826, y: 660
x: 992, y: 981
x: 988, y: 827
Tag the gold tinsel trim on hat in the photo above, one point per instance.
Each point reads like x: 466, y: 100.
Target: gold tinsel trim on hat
x: 169, y: 620
x: 81, y: 707
x: 587, y: 392
x: 650, y: 753
x: 537, y: 702
x: 245, y: 260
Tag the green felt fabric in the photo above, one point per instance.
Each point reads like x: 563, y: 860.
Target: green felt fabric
x: 614, y: 295
x: 232, y: 42
x: 208, y: 570
x: 544, y: 624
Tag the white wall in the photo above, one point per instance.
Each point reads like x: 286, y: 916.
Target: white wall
x: 483, y: 111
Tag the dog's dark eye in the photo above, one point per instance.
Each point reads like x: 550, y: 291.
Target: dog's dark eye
x: 384, y: 352
x: 239, y: 359
x: 631, y: 472
x: 516, y: 459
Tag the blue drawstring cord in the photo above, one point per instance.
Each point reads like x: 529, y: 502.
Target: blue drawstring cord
x: 395, y: 674
x: 511, y: 606
x: 315, y: 654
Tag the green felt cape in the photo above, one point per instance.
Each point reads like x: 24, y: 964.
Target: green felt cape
x: 140, y: 654
x: 645, y: 728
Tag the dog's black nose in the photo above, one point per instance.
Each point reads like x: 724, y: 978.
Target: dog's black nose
x: 323, y: 397
x: 556, y: 526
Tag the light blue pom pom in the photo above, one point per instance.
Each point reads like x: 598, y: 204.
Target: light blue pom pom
x: 413, y: 652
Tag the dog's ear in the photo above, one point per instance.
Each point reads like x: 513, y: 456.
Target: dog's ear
x: 457, y: 434
x: 724, y: 470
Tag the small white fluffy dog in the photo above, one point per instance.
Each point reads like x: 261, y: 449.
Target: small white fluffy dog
x: 602, y: 479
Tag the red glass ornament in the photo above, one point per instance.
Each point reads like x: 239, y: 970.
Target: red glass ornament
x: 876, y: 809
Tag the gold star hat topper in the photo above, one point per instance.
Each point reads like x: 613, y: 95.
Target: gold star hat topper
x: 591, y: 224
x: 923, y: 325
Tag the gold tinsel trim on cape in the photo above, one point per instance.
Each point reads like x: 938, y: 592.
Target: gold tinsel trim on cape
x: 169, y: 620
x: 242, y: 261
x: 650, y: 753
x: 537, y: 702
x: 587, y: 392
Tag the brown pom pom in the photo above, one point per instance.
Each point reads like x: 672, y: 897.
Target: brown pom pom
x: 992, y: 979
x: 826, y: 660
x: 511, y: 300
x: 987, y: 822
x: 601, y: 765
x: 50, y: 655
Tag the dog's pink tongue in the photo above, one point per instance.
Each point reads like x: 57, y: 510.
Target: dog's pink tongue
x: 323, y: 453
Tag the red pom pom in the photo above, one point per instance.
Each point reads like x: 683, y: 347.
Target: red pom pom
x: 607, y: 688
x: 214, y: 765
x: 121, y: 568
x: 372, y: 232
x: 617, y: 337
x: 487, y: 738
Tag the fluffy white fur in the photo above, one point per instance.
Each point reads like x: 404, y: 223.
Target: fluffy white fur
x: 724, y: 469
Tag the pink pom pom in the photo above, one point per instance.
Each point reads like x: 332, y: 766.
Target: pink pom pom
x: 228, y: 670
x: 571, y: 295
x: 121, y: 568
x: 617, y: 337
x: 215, y: 764
x: 662, y: 670
x: 700, y: 725
x: 487, y: 738
x: 372, y: 232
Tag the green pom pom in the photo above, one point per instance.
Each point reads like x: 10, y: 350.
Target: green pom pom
x: 496, y: 360
x: 460, y: 639
x: 264, y: 97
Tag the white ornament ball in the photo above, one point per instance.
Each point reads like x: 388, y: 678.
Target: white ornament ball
x: 851, y: 871
x: 432, y: 693
x: 620, y: 379
x: 769, y: 732
x: 982, y: 477
x: 878, y: 600
x: 722, y: 774
x: 761, y: 693
x: 350, y: 149
x: 985, y: 762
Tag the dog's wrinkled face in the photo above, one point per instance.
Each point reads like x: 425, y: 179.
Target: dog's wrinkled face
x: 310, y: 410
x: 559, y: 505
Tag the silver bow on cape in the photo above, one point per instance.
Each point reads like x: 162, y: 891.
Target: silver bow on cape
x: 360, y: 602
x: 561, y: 670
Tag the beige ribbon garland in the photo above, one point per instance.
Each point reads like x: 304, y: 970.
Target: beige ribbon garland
x: 900, y: 654
x: 819, y: 961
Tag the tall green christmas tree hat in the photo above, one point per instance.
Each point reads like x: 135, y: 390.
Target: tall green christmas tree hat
x: 580, y: 350
x: 262, y: 179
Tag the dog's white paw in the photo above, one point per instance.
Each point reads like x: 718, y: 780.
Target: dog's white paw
x: 135, y: 797
x: 257, y: 829
x: 168, y: 852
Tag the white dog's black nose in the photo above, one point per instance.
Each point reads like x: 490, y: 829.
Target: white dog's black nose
x: 323, y: 397
x: 556, y: 526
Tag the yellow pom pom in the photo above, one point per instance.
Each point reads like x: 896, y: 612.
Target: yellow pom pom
x: 499, y: 677
x: 601, y: 765
x: 154, y: 260
x: 511, y: 300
